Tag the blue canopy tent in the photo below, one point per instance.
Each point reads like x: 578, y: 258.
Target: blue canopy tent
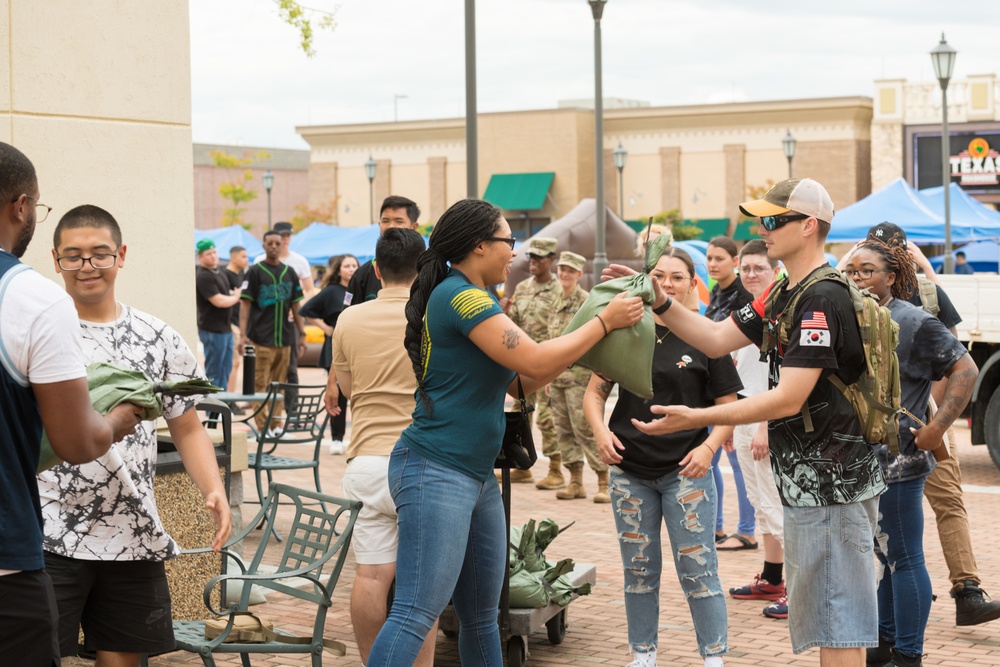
x: 964, y: 207
x: 228, y: 237
x: 983, y: 256
x: 898, y: 203
x: 319, y: 242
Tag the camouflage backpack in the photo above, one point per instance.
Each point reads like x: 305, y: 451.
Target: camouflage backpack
x: 928, y: 295
x: 875, y: 394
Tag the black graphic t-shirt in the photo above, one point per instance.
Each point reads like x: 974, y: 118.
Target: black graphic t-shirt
x: 681, y: 376
x: 832, y: 464
x: 364, y: 284
x: 722, y: 302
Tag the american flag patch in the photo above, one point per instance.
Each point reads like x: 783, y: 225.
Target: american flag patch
x: 814, y: 320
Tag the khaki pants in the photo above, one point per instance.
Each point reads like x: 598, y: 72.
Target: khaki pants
x: 543, y: 421
x: 943, y: 490
x: 272, y: 366
x: 573, y: 433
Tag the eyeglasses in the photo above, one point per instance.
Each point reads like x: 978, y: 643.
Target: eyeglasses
x: 41, y: 210
x: 772, y: 222
x: 99, y: 261
x: 509, y: 240
x: 864, y: 273
x: 755, y: 270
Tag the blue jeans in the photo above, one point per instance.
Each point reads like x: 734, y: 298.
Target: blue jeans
x: 687, y: 507
x: 748, y: 517
x: 830, y: 575
x: 218, y: 356
x: 904, y: 589
x: 452, y: 545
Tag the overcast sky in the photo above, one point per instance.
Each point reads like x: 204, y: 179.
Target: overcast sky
x: 252, y: 84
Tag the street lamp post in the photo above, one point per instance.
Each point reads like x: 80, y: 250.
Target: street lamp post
x: 943, y: 57
x: 620, y: 155
x: 788, y: 144
x: 370, y: 172
x: 268, y: 179
x: 600, y: 251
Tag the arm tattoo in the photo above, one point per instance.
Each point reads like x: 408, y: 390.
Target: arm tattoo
x: 957, y: 393
x: 605, y: 388
x: 511, y: 338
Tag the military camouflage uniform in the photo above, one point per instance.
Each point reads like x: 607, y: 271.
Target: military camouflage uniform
x: 529, y: 309
x: 566, y: 393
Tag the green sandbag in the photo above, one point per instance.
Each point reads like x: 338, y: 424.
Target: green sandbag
x: 624, y: 355
x: 534, y: 581
x: 110, y: 386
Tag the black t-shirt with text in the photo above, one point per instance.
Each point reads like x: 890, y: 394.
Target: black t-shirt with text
x: 832, y: 464
x: 681, y: 376
x: 271, y: 291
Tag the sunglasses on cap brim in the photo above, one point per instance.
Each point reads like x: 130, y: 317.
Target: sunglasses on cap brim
x: 772, y: 222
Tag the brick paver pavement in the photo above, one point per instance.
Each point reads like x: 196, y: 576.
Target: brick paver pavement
x: 597, y: 633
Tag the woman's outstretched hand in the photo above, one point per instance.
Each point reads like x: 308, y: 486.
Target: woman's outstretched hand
x: 622, y: 311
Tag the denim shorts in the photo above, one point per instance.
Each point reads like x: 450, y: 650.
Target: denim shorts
x: 830, y: 575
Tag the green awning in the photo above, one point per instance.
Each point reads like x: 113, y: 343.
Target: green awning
x: 746, y: 230
x: 519, y: 192
x: 710, y: 227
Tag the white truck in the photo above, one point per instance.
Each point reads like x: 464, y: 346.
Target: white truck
x: 977, y: 299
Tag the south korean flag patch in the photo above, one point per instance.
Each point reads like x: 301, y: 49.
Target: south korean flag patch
x: 815, y: 332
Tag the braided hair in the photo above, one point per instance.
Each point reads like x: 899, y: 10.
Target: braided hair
x: 466, y: 224
x: 898, y: 261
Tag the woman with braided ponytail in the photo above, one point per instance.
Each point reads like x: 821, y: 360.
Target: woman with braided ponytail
x: 465, y: 353
x: 927, y: 352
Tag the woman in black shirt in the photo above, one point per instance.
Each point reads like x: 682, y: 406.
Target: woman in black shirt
x: 662, y: 479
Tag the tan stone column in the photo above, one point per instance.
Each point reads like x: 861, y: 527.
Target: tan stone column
x: 736, y: 182
x: 670, y: 177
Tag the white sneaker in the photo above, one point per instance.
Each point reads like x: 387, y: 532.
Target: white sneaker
x: 336, y: 447
x: 643, y: 660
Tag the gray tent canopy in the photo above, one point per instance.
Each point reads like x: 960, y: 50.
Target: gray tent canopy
x: 577, y: 231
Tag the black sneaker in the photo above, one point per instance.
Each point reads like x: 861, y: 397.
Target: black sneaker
x: 881, y: 655
x: 973, y: 606
x: 900, y: 660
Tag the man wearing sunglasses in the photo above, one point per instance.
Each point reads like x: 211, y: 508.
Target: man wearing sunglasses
x: 828, y: 477
x: 42, y: 384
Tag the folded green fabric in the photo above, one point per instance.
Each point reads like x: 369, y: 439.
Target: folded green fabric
x: 110, y: 386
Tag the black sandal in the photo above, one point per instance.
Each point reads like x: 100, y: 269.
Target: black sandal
x: 745, y: 544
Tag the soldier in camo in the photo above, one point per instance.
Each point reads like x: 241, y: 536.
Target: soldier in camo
x: 529, y: 309
x: 576, y: 439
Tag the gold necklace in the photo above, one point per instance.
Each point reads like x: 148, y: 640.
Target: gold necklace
x: 659, y: 340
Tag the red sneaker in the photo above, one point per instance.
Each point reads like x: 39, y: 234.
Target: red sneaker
x: 760, y: 589
x: 778, y: 609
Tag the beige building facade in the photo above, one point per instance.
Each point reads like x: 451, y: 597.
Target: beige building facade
x: 290, y: 169
x: 700, y: 159
x: 906, y: 134
x: 94, y: 93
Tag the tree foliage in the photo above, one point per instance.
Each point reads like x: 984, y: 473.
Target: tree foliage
x: 235, y: 189
x: 305, y: 216
x: 304, y: 19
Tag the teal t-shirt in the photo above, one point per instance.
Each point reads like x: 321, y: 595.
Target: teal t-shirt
x: 466, y: 426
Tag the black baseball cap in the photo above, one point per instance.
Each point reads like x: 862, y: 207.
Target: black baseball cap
x: 888, y: 233
x: 282, y: 227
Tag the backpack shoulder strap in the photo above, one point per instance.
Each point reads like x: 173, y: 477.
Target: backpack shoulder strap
x: 928, y: 295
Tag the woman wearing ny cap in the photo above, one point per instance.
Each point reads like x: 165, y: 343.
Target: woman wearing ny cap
x: 466, y: 353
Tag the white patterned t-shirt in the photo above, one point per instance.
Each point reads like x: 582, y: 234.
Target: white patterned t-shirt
x: 105, y: 510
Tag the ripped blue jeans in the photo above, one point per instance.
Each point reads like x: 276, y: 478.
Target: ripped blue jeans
x: 687, y: 507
